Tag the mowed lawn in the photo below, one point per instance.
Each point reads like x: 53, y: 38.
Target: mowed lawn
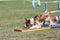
x: 13, y: 14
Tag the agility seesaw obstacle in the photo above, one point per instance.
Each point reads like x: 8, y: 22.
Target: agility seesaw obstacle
x: 43, y: 28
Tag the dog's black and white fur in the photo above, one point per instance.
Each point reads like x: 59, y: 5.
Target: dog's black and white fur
x: 38, y: 21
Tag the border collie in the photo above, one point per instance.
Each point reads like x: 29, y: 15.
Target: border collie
x: 35, y: 22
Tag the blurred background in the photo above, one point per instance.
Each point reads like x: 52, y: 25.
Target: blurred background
x: 13, y: 14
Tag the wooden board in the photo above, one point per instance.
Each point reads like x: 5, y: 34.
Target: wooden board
x: 29, y: 30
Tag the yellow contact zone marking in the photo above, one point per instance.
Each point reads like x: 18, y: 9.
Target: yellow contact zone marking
x: 29, y: 30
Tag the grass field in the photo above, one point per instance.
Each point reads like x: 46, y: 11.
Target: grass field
x: 13, y: 14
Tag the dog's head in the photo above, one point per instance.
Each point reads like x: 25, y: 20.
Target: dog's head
x: 29, y: 22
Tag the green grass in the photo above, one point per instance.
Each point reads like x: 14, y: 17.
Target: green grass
x: 13, y: 14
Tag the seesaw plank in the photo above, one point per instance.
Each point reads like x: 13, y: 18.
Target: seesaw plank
x: 29, y: 30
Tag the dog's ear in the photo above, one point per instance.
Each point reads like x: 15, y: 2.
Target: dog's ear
x: 26, y: 19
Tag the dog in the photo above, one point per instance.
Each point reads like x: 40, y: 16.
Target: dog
x: 35, y: 22
x: 29, y: 22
